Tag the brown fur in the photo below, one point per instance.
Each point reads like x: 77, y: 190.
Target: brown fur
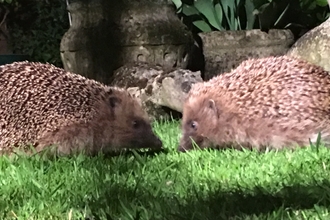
x: 269, y: 102
x: 43, y: 105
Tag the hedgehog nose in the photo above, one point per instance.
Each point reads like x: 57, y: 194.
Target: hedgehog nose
x: 181, y: 149
x: 159, y: 143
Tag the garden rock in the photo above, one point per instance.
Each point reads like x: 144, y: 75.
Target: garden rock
x: 225, y: 50
x: 161, y: 91
x: 314, y: 46
x: 108, y: 34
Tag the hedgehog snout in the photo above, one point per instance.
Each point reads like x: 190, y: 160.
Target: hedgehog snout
x: 147, y: 139
x: 156, y: 143
x: 185, y: 143
x: 181, y: 149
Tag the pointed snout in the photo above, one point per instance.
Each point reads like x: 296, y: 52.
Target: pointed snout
x: 181, y: 149
x: 185, y: 144
x: 151, y: 140
x: 158, y: 144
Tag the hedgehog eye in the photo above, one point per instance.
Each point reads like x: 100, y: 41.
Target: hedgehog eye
x: 136, y: 124
x: 194, y: 125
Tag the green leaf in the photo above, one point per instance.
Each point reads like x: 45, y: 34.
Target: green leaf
x: 219, y: 14
x: 322, y: 2
x: 229, y: 8
x: 250, y: 17
x: 206, y: 8
x: 189, y: 10
x: 202, y: 25
x: 262, y: 8
x: 259, y: 3
x: 178, y: 3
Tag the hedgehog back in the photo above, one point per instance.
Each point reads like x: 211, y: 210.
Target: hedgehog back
x: 276, y: 100
x: 276, y: 87
x: 36, y: 98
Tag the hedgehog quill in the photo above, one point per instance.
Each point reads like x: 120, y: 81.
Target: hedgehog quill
x: 274, y: 102
x: 42, y: 105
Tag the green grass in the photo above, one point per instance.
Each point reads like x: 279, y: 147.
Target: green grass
x: 208, y: 184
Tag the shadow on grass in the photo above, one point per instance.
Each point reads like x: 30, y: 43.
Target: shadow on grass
x: 140, y: 152
x: 221, y: 205
x: 239, y: 203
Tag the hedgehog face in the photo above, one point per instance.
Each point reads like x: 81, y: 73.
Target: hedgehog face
x: 127, y: 124
x: 142, y: 135
x: 200, y: 117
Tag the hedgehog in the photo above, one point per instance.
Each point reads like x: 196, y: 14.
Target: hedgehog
x: 42, y: 105
x: 267, y: 103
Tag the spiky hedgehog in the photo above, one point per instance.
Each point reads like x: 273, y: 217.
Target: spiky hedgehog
x: 273, y: 102
x: 42, y: 105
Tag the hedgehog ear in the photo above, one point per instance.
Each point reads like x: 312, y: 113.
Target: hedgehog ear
x: 114, y: 101
x: 213, y: 107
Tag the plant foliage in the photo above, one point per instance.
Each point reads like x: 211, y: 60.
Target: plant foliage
x: 297, y: 15
x: 209, y: 15
x: 11, y: 2
x: 36, y: 28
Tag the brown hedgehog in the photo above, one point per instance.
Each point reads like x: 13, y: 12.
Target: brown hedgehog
x: 271, y: 102
x: 42, y: 105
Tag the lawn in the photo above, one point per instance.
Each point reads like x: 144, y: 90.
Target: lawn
x: 211, y: 184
